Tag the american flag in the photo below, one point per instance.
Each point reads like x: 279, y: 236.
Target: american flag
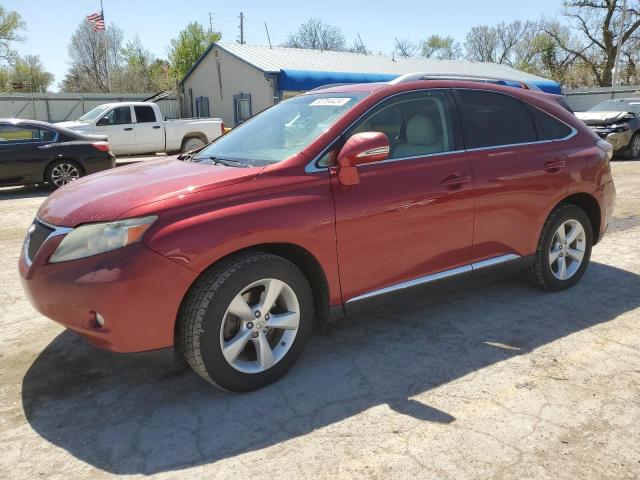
x: 98, y: 20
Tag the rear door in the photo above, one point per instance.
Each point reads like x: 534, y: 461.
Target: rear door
x: 519, y: 170
x: 23, y: 153
x: 411, y: 216
x: 149, y: 130
x: 118, y: 125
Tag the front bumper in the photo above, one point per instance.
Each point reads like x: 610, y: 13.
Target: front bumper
x: 618, y: 140
x: 137, y: 291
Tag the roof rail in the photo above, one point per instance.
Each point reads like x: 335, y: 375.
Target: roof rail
x: 472, y: 77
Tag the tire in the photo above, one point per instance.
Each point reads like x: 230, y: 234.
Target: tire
x: 547, y: 274
x: 633, y: 151
x: 192, y: 143
x: 208, y: 331
x: 62, y: 172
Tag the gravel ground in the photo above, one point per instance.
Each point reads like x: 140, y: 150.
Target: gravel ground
x: 490, y: 381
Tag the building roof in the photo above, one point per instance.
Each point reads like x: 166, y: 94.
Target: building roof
x: 278, y: 59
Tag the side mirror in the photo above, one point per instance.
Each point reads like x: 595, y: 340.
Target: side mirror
x: 365, y: 147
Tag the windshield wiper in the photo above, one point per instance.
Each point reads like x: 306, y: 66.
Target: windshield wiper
x: 227, y: 162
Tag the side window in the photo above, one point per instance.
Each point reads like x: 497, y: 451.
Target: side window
x: 549, y: 128
x: 492, y: 119
x: 19, y: 133
x: 416, y: 124
x: 144, y: 114
x: 117, y: 116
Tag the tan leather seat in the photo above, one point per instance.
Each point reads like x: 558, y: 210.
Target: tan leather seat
x: 422, y: 138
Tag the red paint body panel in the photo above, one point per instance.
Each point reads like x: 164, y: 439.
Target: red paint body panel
x: 399, y: 223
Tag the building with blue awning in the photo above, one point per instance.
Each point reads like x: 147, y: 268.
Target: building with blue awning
x: 235, y: 81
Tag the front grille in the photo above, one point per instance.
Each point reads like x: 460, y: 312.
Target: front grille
x: 38, y: 233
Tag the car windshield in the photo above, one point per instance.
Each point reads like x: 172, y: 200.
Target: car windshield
x: 280, y: 131
x: 91, y: 115
x: 617, y: 106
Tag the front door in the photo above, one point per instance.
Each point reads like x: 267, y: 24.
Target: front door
x: 410, y: 219
x: 519, y: 167
x: 117, y: 124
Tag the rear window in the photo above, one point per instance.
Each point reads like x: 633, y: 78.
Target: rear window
x: 144, y: 114
x: 549, y: 128
x: 492, y: 119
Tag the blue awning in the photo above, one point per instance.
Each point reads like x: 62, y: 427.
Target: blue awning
x: 304, y: 80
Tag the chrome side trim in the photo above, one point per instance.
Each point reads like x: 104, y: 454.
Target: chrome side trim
x: 56, y: 232
x: 373, y: 151
x: 437, y: 276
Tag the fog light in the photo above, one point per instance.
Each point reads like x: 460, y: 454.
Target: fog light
x: 99, y: 320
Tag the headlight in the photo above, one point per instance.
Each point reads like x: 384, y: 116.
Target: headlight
x: 91, y: 239
x: 620, y: 127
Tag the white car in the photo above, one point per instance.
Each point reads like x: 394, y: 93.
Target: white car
x: 138, y: 127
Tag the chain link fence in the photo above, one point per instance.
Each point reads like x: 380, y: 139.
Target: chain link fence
x: 60, y: 107
x: 582, y: 100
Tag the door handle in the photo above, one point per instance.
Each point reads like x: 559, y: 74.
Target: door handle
x: 455, y: 181
x: 128, y: 129
x: 554, y: 166
x: 156, y: 126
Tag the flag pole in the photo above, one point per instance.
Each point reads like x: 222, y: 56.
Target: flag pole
x: 106, y: 47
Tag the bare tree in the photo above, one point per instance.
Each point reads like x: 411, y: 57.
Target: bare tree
x: 441, y: 48
x: 317, y: 35
x: 598, y: 24
x: 10, y: 26
x: 406, y: 48
x: 91, y: 53
x: 504, y: 43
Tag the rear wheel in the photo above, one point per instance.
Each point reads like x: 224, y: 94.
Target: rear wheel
x: 192, y: 143
x: 244, y: 323
x: 564, y: 249
x: 62, y: 172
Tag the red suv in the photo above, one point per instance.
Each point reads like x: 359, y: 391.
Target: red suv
x: 229, y: 255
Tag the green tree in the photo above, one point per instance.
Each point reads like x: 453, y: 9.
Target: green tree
x: 188, y: 47
x: 441, y: 48
x: 29, y: 71
x: 10, y: 26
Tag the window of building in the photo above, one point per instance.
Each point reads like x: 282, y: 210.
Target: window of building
x: 242, y: 107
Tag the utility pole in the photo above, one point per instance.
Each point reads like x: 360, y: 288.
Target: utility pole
x: 268, y: 37
x: 241, y: 28
x: 210, y: 22
x: 616, y: 65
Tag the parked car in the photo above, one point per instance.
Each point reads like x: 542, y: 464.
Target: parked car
x: 618, y: 122
x: 38, y: 152
x: 139, y: 127
x: 338, y: 196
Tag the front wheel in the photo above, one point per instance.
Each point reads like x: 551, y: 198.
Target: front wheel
x: 633, y: 152
x: 245, y: 322
x: 564, y: 249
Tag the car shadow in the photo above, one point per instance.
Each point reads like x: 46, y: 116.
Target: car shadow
x: 26, y: 191
x: 126, y: 418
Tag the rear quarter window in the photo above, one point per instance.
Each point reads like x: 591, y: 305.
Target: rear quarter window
x: 549, y: 128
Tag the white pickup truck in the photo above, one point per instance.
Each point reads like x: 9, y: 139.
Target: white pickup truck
x: 138, y: 127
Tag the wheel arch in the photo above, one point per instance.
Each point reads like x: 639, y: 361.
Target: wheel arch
x: 301, y: 258
x: 195, y: 134
x: 591, y: 207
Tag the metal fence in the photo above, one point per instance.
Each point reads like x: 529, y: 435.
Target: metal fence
x: 581, y: 100
x: 59, y: 107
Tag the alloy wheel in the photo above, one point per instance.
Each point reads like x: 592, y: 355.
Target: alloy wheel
x: 567, y: 249
x: 64, y: 173
x: 635, y: 147
x: 260, y: 325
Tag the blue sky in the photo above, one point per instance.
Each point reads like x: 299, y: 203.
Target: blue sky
x: 50, y: 24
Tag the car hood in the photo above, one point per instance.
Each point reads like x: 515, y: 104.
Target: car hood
x: 601, y: 118
x: 107, y: 195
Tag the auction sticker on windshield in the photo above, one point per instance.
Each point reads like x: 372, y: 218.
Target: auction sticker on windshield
x: 333, y: 102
